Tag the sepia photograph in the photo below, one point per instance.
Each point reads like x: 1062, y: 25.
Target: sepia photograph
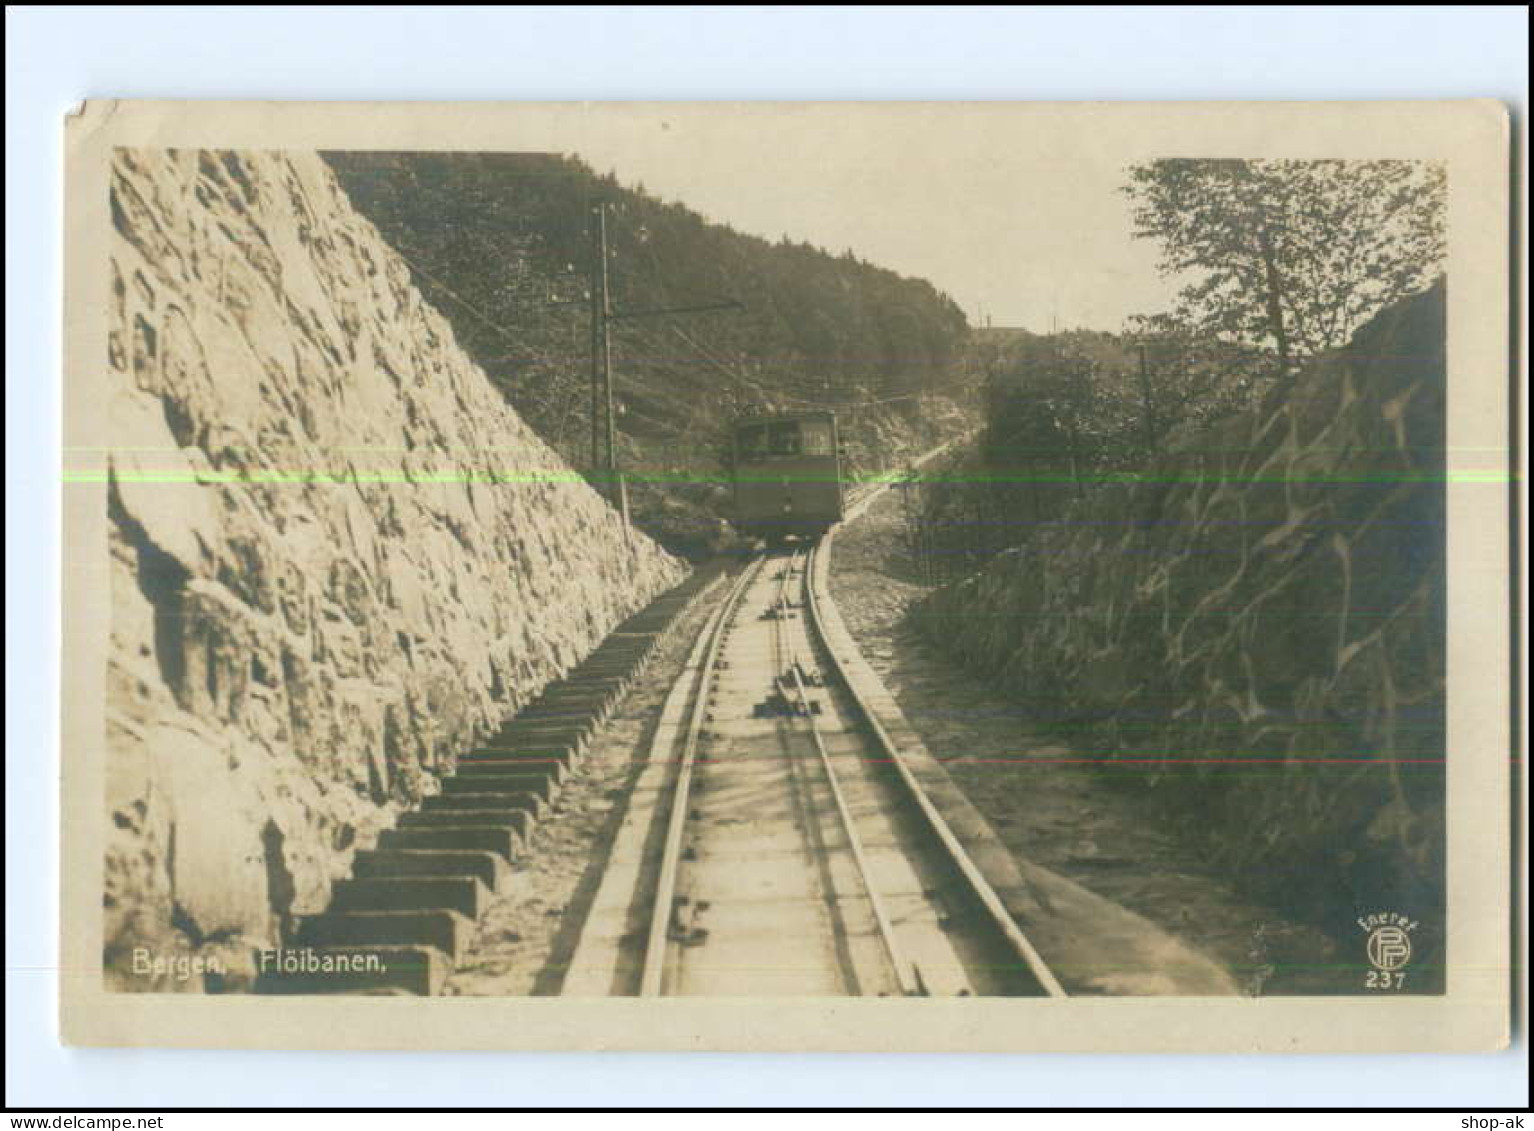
x: 1017, y: 564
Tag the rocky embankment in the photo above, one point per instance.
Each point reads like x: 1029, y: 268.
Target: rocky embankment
x: 1258, y: 625
x: 1133, y: 908
x: 337, y: 556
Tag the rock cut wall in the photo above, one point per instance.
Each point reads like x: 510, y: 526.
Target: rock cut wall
x: 1259, y: 624
x: 337, y: 556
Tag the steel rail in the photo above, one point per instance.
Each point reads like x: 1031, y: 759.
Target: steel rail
x: 653, y: 972
x: 907, y: 976
x: 979, y: 885
x: 906, y: 973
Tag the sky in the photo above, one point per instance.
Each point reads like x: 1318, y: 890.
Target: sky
x: 1027, y: 231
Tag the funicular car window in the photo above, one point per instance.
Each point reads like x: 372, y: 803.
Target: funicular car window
x: 815, y: 436
x: 783, y: 439
x: 751, y: 441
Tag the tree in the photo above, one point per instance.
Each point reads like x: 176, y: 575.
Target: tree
x: 1290, y: 256
x: 1181, y: 378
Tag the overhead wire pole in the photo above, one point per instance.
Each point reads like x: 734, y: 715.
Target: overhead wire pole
x: 1147, y: 420
x: 602, y: 317
x: 602, y: 361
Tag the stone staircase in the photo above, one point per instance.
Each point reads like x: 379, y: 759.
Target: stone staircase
x: 411, y: 906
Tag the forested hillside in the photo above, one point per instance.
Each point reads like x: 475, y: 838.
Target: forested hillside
x: 500, y: 243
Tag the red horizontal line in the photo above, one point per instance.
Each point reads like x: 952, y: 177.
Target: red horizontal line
x: 1026, y: 759
x: 1110, y: 761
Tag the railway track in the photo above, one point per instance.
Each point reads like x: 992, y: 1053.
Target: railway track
x: 776, y: 843
x: 779, y: 843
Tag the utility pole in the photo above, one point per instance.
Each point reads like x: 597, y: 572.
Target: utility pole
x: 605, y: 440
x: 602, y: 366
x: 1145, y: 395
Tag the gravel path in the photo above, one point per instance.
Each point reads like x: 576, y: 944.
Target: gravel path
x: 1067, y: 818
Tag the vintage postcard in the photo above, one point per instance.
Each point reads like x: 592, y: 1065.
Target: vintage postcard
x: 965, y: 577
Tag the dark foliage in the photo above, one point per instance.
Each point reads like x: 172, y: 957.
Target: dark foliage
x: 1067, y: 412
x: 501, y: 244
